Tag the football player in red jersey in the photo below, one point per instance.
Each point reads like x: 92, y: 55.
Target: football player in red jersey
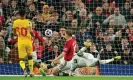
x: 67, y: 53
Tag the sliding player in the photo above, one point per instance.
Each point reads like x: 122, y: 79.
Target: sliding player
x: 67, y: 54
x: 80, y: 59
x: 23, y: 29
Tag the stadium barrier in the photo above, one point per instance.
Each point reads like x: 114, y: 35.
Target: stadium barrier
x: 107, y: 69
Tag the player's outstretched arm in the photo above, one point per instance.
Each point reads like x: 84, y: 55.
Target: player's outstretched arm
x: 87, y: 44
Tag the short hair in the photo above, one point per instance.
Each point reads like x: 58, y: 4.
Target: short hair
x: 22, y: 12
x: 69, y: 32
x: 4, y: 28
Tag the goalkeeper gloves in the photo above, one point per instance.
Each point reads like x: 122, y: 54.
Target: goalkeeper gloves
x: 88, y: 43
x: 117, y: 57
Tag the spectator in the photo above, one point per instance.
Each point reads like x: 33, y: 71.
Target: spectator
x: 13, y: 55
x: 31, y: 11
x: 56, y: 51
x: 10, y: 25
x: 108, y: 53
x: 53, y: 24
x: 56, y: 15
x: 100, y: 41
x: 13, y: 7
x: 6, y: 8
x: 46, y: 15
x: 62, y: 14
x: 1, y: 12
x: 124, y: 42
x: 81, y: 36
x: 125, y: 10
x: 55, y: 39
x: 2, y: 43
x: 111, y: 34
x: 112, y: 7
x: 119, y: 19
x: 83, y: 20
x: 130, y: 16
x: 74, y: 24
x: 29, y: 2
x: 105, y: 7
x: 48, y: 52
x: 98, y: 16
x: 51, y: 9
x: 69, y: 17
x: 2, y: 20
x: 77, y: 5
x: 22, y: 4
x: 127, y: 56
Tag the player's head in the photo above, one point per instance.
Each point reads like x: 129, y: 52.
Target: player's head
x: 22, y: 13
x: 68, y: 33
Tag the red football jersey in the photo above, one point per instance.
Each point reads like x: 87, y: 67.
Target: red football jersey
x: 69, y: 49
x: 39, y: 50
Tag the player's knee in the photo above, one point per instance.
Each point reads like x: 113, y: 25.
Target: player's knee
x: 29, y: 57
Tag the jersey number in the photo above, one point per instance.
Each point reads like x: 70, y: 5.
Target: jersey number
x: 21, y: 31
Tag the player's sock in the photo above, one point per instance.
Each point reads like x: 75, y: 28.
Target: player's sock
x: 30, y: 61
x: 42, y: 72
x: 74, y: 65
x: 63, y: 74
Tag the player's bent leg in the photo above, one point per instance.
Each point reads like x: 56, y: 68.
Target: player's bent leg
x: 73, y: 66
x: 23, y: 66
x: 22, y: 54
x: 58, y: 70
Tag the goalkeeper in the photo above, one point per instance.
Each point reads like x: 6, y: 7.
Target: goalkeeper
x: 81, y: 59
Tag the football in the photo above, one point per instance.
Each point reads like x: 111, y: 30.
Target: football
x: 48, y: 33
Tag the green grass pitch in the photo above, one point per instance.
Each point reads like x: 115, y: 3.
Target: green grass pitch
x: 68, y: 78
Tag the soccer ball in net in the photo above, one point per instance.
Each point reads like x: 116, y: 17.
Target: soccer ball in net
x: 48, y: 33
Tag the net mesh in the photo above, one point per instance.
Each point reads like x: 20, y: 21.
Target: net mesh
x: 108, y: 23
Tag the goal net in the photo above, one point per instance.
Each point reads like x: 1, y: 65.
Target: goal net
x: 107, y: 23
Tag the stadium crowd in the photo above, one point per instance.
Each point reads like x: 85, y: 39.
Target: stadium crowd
x: 108, y: 23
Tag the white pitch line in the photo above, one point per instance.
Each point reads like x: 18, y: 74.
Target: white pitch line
x: 74, y: 76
